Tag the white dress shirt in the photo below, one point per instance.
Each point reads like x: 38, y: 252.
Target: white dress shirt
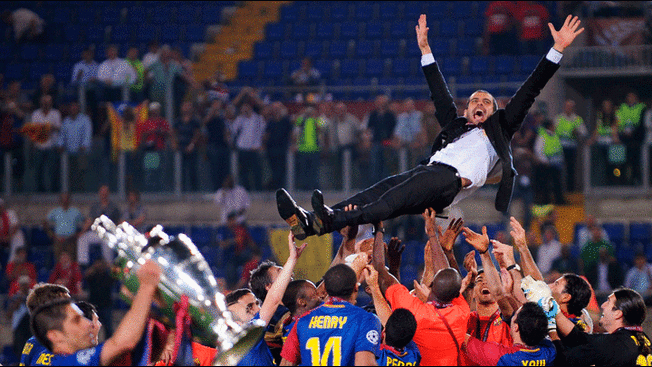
x: 53, y: 117
x: 117, y: 71
x: 249, y: 131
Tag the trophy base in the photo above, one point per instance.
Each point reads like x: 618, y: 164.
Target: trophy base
x: 232, y: 356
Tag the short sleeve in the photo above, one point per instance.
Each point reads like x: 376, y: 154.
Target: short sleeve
x: 291, y: 349
x: 86, y: 357
x: 51, y: 216
x: 399, y: 297
x: 483, y: 353
x: 368, y: 339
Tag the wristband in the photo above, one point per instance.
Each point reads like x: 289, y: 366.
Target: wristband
x: 514, y: 266
x: 484, y: 252
x: 376, y: 230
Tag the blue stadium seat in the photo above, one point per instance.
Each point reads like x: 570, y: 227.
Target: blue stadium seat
x: 401, y: 68
x: 409, y: 273
x: 146, y: 33
x: 211, y: 15
x: 375, y: 67
x: 473, y: 28
x: 325, y: 31
x: 413, y: 9
x: 39, y: 238
x: 248, y: 69
x: 288, y: 50
x: 29, y: 52
x: 170, y: 33
x: 175, y: 230
x: 389, y: 10
x: 121, y: 33
x: 459, y: 9
x: 448, y: 28
x: 111, y: 16
x: 412, y: 50
x: 349, y: 30
x: 63, y: 72
x: 137, y: 14
x: 187, y: 14
x: 374, y: 30
x: 363, y: 10
x: 162, y: 15
x: 399, y: 29
x: 87, y: 15
x: 300, y: 32
x: 364, y: 48
x: 37, y: 69
x: 14, y: 71
x: 202, y: 235
x: 72, y: 32
x: 466, y: 47
x: 528, y: 63
x: 316, y: 13
x: 338, y: 49
x: 273, y: 69
x: 195, y: 33
x: 211, y: 254
x: 479, y: 64
x: 313, y: 49
x: 290, y: 13
x: 389, y: 48
x: 95, y: 33
x: 6, y: 51
x: 61, y: 16
x: 616, y: 232
x: 263, y: 50
x: 504, y: 64
x: 324, y: 67
x: 259, y: 235
x: 438, y: 10
x: 640, y: 232
x: 349, y: 68
x: 451, y: 66
x: 275, y: 31
x: 339, y: 10
x: 391, y: 81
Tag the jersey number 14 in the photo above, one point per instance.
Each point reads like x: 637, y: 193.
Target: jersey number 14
x: 333, y: 347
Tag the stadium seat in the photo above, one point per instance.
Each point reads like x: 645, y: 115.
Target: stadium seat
x: 14, y: 71
x: 389, y: 10
x: 374, y: 30
x: 479, y: 64
x: 391, y: 81
x: 528, y: 63
x: 290, y: 13
x: 162, y: 15
x: 448, y: 28
x: 275, y: 31
x: 316, y: 13
x: 202, y: 235
x: 413, y: 9
x: 375, y: 67
x: 121, y: 33
x: 38, y: 237
x: 325, y: 31
x: 459, y: 9
x: 195, y: 33
x: 504, y: 64
x: 137, y: 14
x: 339, y: 10
x: 6, y: 52
x: 401, y: 68
x: 29, y: 52
x: 615, y: 231
x: 259, y: 235
x: 187, y: 14
x: 62, y: 72
x: 273, y: 69
x: 146, y: 33
x: 313, y: 49
x: 363, y: 10
x: 349, y: 68
x: 61, y: 16
x: 263, y: 50
x: 111, y: 16
x: 451, y: 66
x: 364, y: 48
x: 640, y: 233
x: 338, y: 49
x: 170, y: 33
x: 349, y: 30
x: 399, y: 29
x: 37, y: 69
x: 438, y: 10
x: 95, y: 33
x: 324, y: 67
x: 72, y: 33
x: 248, y: 69
x: 175, y: 230
x: 289, y: 50
x: 211, y: 15
x: 300, y: 32
x: 466, y: 47
x: 389, y: 48
x: 473, y: 28
x: 87, y: 15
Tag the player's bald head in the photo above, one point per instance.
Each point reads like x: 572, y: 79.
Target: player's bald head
x: 447, y: 284
x: 340, y: 281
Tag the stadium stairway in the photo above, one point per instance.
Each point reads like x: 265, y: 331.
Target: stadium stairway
x: 567, y: 215
x: 236, y: 39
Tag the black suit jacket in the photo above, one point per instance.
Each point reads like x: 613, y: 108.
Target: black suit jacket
x: 500, y: 127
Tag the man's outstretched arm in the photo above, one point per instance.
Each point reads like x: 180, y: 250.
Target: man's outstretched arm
x: 385, y: 279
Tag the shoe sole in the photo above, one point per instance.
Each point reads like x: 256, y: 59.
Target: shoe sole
x: 288, y: 210
x: 317, y: 202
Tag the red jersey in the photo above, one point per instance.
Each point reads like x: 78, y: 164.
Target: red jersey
x: 70, y: 278
x: 25, y: 268
x: 500, y: 16
x: 488, y: 329
x: 432, y: 337
x: 532, y: 18
x: 153, y: 133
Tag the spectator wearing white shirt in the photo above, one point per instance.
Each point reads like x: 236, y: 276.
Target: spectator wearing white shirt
x: 114, y: 74
x: 152, y: 55
x: 45, y: 155
x: 11, y: 236
x: 408, y: 132
x: 232, y: 198
x: 248, y: 129
x: 75, y: 139
x: 28, y: 26
x: 639, y: 277
x: 549, y: 250
x: 84, y: 71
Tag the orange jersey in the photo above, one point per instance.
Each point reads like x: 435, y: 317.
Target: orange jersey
x: 432, y: 337
x: 201, y: 355
x: 489, y: 329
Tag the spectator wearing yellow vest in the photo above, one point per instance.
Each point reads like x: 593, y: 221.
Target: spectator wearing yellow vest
x: 631, y: 132
x: 571, y: 131
x: 307, y: 129
x: 604, y: 136
x: 549, y: 153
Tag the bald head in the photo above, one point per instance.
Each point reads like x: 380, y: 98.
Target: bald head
x: 446, y: 286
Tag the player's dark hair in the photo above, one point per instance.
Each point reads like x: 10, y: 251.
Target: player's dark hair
x: 632, y: 305
x: 43, y: 293
x: 493, y: 99
x: 340, y: 281
x: 580, y: 292
x: 46, y: 317
x: 235, y: 296
x: 532, y: 324
x: 400, y: 328
x: 260, y: 279
x: 446, y: 285
x: 87, y: 308
x: 294, y: 291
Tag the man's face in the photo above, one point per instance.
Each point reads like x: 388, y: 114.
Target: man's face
x: 558, y: 289
x: 74, y: 109
x: 569, y: 107
x: 481, y: 292
x: 311, y: 296
x: 103, y: 193
x: 132, y: 54
x: 65, y: 200
x: 273, y: 273
x: 632, y: 99
x: 245, y: 309
x: 609, y: 314
x: 480, y: 107
x: 46, y: 102
x: 111, y: 53
x: 95, y: 329
x: 77, y: 330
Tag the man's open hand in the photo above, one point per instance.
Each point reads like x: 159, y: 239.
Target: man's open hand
x: 422, y: 35
x: 565, y: 36
x: 447, y: 239
x: 480, y: 242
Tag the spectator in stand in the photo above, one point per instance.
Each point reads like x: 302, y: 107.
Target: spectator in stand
x: 18, y: 268
x: 237, y: 246
x: 187, y: 133
x: 47, y: 87
x: 524, y: 162
x: 380, y: 123
x: 128, y: 144
x: 306, y: 75
x: 550, y: 156
x: 217, y: 143
x: 430, y: 124
x: 248, y: 267
x: 584, y: 235
x: 153, y: 136
x: 342, y: 136
x: 75, y: 139
x: 605, y: 134
x: 532, y: 19
x: 66, y: 273
x: 113, y: 75
x: 104, y: 206
x: 100, y: 284
x: 639, y: 278
x: 184, y: 81
x: 590, y: 253
x: 606, y: 274
x: 631, y: 132
x: 251, y: 96
x: 232, y: 199
x: 136, y: 91
x: 571, y: 131
x: 13, y: 113
x: 216, y: 88
x: 18, y: 313
x: 85, y: 71
x: 500, y: 28
x: 308, y: 126
x: 408, y: 132
x: 11, y: 236
x: 549, y: 251
x: 63, y: 225
x: 248, y: 129
x: 135, y: 213
x: 45, y: 157
x: 565, y: 263
x: 162, y: 76
x: 278, y: 135
x: 152, y: 55
x: 27, y: 25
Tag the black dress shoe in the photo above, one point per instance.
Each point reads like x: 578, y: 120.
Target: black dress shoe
x: 323, y: 222
x: 294, y: 215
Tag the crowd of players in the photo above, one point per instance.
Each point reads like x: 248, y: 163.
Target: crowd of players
x: 500, y: 313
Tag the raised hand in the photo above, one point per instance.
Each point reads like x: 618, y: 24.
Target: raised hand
x: 565, y: 36
x: 295, y: 252
x: 371, y: 276
x: 422, y: 35
x: 480, y: 242
x: 394, y: 251
x: 349, y: 232
x: 505, y: 252
x: 429, y: 217
x: 422, y: 292
x: 469, y: 263
x: 447, y: 239
x: 507, y: 280
x: 518, y: 233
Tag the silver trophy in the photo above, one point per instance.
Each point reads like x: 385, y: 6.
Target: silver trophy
x: 184, y: 272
